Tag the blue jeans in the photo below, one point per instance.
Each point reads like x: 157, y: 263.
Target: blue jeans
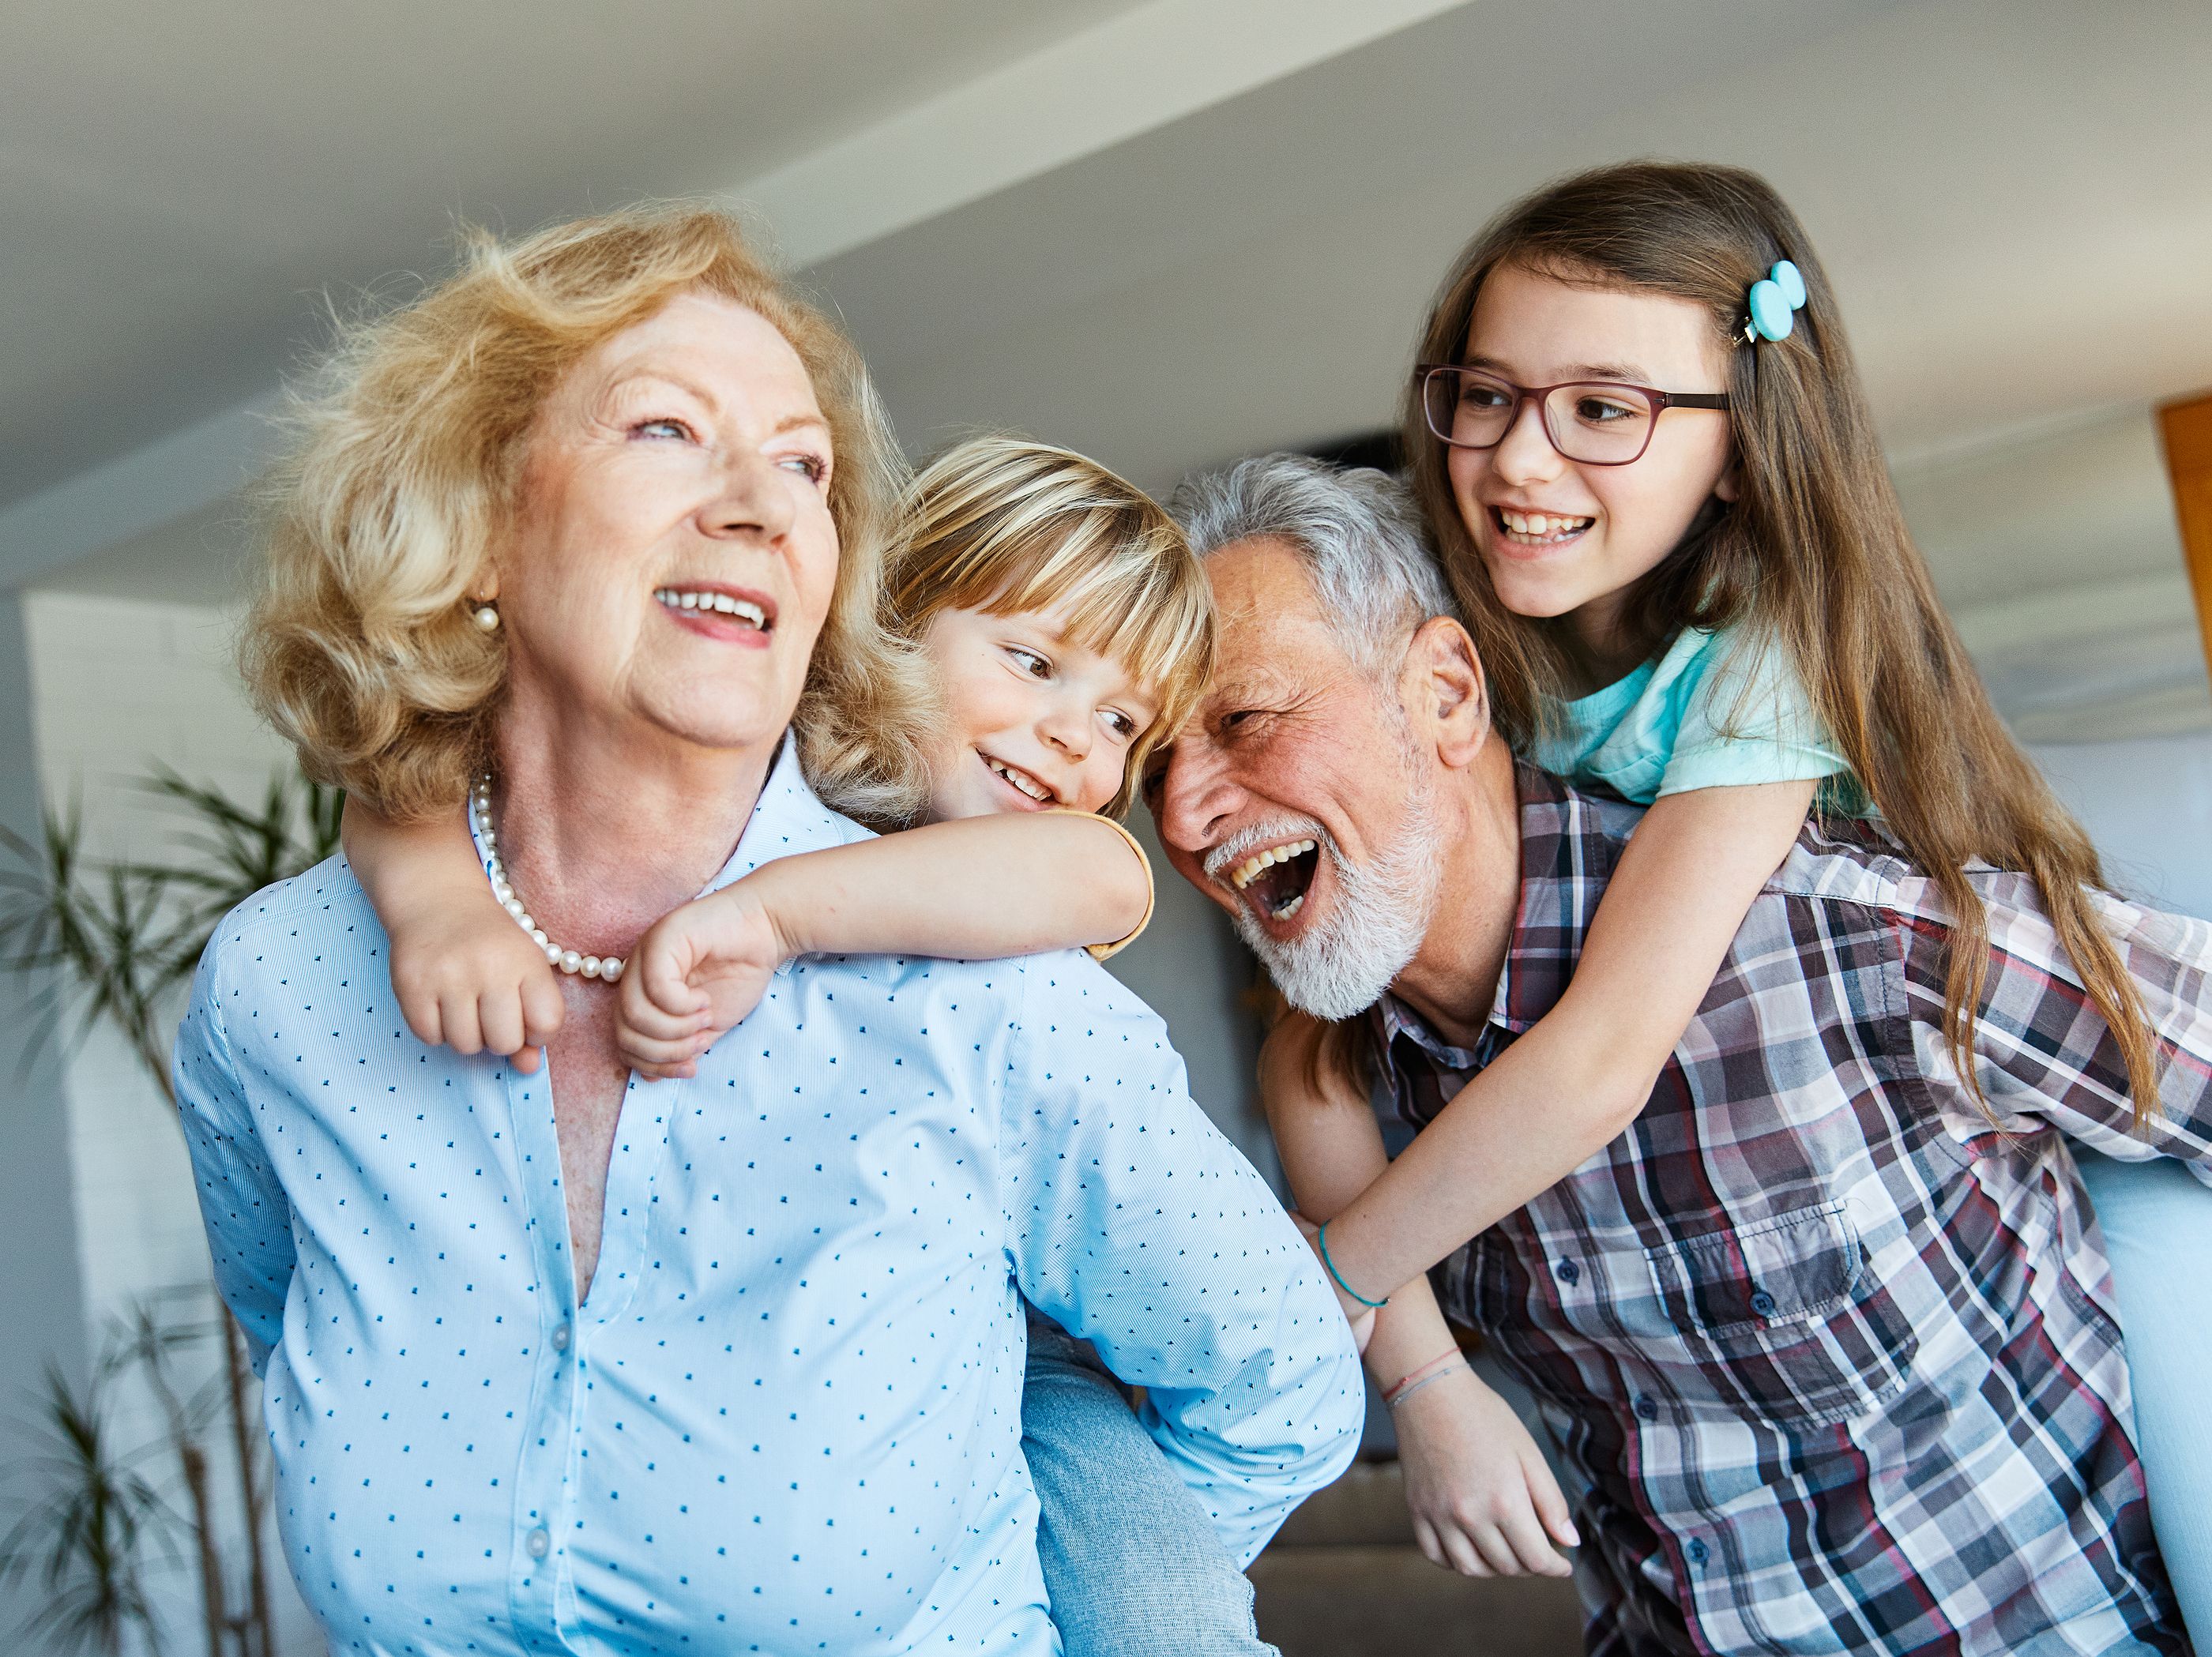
x: 1131, y: 1560
x: 2157, y: 1221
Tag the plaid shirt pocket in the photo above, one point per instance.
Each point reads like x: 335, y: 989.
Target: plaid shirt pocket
x: 1776, y: 1319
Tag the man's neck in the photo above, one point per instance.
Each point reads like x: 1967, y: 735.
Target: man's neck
x: 1453, y: 979
x: 606, y: 830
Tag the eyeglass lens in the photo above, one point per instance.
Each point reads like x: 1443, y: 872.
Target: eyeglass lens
x: 1605, y: 425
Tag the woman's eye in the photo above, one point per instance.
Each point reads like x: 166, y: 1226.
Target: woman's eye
x: 662, y: 427
x: 812, y: 467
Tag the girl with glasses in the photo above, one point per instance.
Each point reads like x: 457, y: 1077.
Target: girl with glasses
x: 1639, y: 438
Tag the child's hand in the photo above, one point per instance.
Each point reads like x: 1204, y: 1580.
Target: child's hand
x: 468, y: 977
x: 698, y: 970
x: 1483, y: 1499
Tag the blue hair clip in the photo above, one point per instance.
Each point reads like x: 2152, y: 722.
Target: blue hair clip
x: 1774, y: 300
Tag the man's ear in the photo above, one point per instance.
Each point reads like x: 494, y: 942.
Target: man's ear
x: 1444, y: 692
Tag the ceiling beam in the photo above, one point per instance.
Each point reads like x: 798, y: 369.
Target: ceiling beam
x: 1139, y: 70
x: 137, y: 493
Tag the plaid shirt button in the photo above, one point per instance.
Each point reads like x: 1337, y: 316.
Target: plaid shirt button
x: 1763, y: 1303
x: 1647, y: 1406
x: 1569, y: 1271
x: 1697, y: 1551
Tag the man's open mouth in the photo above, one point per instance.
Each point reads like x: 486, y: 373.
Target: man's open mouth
x: 1276, y: 882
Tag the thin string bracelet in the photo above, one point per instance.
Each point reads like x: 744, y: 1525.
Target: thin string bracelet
x: 1321, y: 1237
x: 1405, y: 1382
x: 1393, y: 1402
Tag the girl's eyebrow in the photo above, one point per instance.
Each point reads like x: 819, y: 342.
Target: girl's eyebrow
x: 1626, y: 373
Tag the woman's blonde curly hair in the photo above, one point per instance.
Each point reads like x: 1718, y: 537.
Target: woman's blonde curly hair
x: 406, y: 453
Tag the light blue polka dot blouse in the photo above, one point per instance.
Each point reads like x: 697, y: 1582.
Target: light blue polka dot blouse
x: 787, y: 1419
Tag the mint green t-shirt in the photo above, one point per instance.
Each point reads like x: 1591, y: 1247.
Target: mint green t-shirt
x: 1716, y: 710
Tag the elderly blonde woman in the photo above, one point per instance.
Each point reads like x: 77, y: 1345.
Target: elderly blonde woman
x: 573, y: 1360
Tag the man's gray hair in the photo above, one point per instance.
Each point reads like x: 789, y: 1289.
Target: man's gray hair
x: 1357, y: 531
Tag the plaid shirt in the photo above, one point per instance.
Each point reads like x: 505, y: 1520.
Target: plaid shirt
x: 1837, y: 1359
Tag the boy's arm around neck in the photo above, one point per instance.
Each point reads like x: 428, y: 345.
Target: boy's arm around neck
x: 971, y: 889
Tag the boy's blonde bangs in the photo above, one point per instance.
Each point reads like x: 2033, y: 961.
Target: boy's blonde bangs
x: 1007, y: 525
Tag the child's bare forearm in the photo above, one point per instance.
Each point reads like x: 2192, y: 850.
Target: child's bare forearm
x: 1577, y: 1079
x: 1331, y: 1151
x: 1326, y: 1137
x: 1410, y: 1333
x: 974, y: 888
x: 405, y: 866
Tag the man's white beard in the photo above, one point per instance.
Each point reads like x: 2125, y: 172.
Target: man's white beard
x: 1341, y: 963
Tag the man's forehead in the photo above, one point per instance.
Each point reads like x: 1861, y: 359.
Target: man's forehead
x: 1261, y: 580
x: 1270, y: 634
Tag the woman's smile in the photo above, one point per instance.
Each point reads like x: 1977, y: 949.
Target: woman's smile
x: 739, y: 615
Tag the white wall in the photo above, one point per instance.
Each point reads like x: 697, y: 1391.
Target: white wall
x: 2147, y: 804
x: 120, y: 686
x: 2056, y: 548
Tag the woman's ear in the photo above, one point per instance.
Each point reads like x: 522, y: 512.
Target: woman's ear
x: 1444, y: 690
x: 484, y: 590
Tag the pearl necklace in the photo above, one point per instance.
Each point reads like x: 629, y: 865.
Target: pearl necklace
x: 568, y: 960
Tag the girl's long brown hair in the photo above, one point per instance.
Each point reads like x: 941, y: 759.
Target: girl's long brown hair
x: 1813, y: 552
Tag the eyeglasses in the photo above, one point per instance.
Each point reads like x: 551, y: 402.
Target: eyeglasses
x: 1592, y: 422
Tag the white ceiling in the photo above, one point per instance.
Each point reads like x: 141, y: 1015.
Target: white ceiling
x: 180, y: 183
x: 2013, y: 197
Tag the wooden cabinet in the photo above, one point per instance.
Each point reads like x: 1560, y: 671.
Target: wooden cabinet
x: 2187, y: 430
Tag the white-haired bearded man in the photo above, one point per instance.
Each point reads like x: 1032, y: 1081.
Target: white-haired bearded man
x: 1830, y: 1345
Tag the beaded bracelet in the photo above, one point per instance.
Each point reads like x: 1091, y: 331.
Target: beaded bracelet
x: 1320, y: 1238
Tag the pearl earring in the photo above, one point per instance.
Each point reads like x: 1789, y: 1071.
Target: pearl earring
x: 486, y: 619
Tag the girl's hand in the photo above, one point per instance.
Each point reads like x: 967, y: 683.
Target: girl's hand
x: 468, y: 977
x: 698, y: 970
x: 1483, y: 1499
x: 1360, y: 1317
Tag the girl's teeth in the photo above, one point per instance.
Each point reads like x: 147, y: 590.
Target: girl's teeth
x: 1540, y: 525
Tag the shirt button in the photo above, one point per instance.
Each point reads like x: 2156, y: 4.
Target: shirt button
x: 1697, y: 1551
x: 1647, y: 1406
x: 1569, y: 1271
x: 560, y: 1338
x: 1763, y: 1303
x: 537, y: 1543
